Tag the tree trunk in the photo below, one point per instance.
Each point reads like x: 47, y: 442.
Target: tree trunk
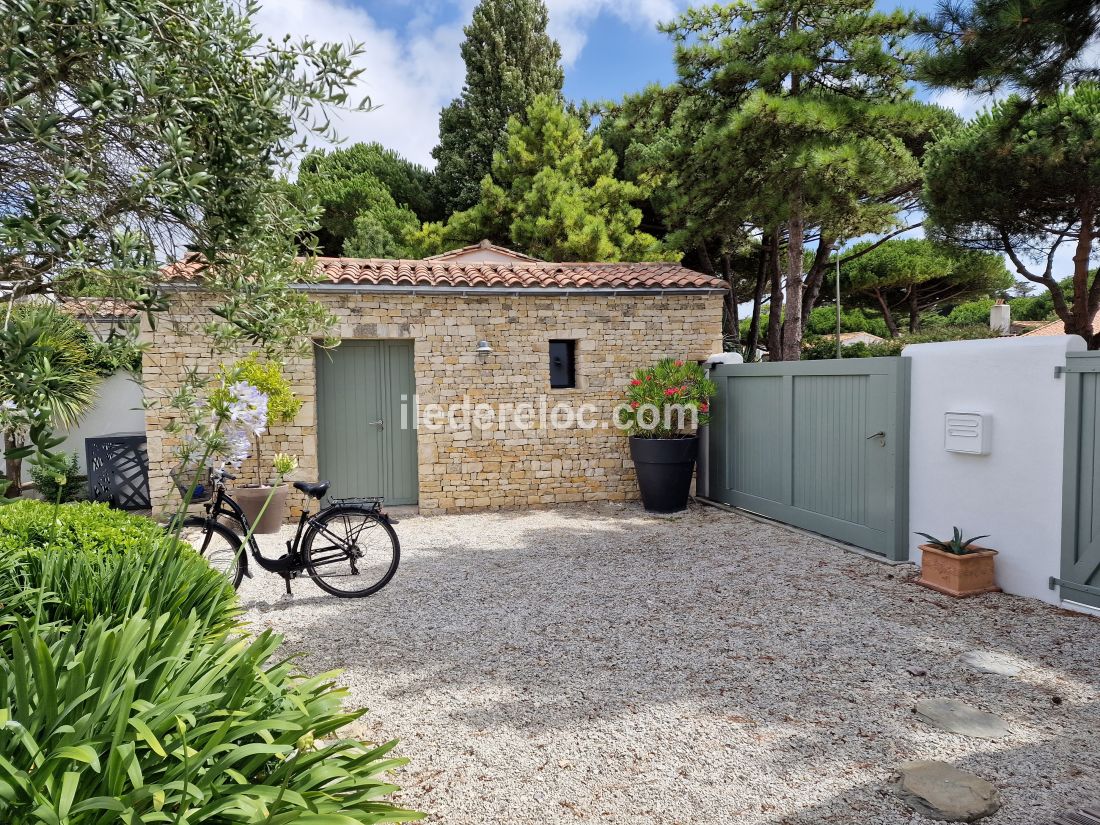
x: 1082, y: 309
x: 732, y: 300
x: 775, y: 306
x: 792, y: 321
x: 758, y: 298
x: 13, y: 468
x: 887, y: 316
x: 815, y: 278
x: 914, y: 310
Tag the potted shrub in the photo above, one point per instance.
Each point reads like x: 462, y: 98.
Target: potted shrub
x: 665, y: 403
x: 956, y: 566
x: 276, y: 404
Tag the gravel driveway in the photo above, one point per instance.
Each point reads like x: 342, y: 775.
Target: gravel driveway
x: 601, y: 665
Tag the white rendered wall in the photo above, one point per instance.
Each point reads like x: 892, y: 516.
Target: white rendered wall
x: 118, y: 410
x: 1015, y: 492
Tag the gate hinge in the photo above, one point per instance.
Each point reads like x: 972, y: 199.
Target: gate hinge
x: 1054, y: 582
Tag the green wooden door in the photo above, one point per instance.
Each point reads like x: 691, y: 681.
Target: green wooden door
x: 365, y: 445
x: 1080, y: 578
x: 822, y: 445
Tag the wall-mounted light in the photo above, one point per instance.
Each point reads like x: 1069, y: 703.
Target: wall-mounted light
x: 483, y: 348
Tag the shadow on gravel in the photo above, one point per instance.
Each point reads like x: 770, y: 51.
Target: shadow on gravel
x: 744, y: 638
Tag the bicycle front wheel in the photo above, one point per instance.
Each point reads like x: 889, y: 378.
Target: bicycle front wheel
x: 219, y: 545
x: 351, y: 551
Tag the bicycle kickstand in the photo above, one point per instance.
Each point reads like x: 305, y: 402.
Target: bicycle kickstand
x: 286, y: 580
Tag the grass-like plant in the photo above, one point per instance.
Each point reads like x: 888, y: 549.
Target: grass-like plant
x: 145, y: 720
x: 128, y: 693
x: 956, y: 545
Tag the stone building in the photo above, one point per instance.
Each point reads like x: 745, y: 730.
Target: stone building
x: 457, y: 375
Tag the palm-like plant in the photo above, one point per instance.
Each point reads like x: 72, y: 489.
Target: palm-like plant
x: 956, y: 545
x: 49, y: 378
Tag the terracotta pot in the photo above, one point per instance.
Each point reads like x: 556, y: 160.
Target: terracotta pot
x: 966, y: 575
x: 252, y: 499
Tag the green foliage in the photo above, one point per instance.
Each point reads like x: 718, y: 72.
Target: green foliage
x: 824, y: 347
x: 823, y: 322
x: 915, y: 276
x: 172, y: 143
x: 128, y: 693
x: 145, y: 720
x: 96, y: 561
x: 662, y: 398
x: 791, y: 119
x: 63, y: 483
x: 371, y: 199
x: 510, y: 60
x: 48, y: 368
x: 553, y: 194
x: 956, y: 545
x: 1025, y: 180
x: 83, y: 528
x: 49, y: 380
x: 266, y: 376
x: 971, y: 312
x: 1035, y: 45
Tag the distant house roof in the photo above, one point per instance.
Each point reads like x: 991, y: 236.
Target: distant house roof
x: 97, y: 309
x: 483, y: 252
x: 847, y: 338
x: 1057, y: 327
x: 431, y: 273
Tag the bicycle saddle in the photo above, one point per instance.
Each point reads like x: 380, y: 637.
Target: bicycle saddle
x: 316, y: 489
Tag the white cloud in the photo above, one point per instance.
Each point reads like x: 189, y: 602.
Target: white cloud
x: 570, y: 19
x: 413, y: 71
x: 409, y: 75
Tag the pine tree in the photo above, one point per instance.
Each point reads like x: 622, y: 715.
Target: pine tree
x: 553, y: 194
x: 796, y: 118
x: 1035, y: 46
x: 510, y: 60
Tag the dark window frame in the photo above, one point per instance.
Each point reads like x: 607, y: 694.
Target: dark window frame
x: 569, y: 367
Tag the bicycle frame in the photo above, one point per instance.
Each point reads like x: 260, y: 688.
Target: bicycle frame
x: 223, y: 505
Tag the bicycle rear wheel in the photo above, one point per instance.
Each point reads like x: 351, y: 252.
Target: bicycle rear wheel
x: 351, y: 551
x: 215, y: 542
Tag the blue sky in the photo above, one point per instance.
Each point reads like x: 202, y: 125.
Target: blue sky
x: 413, y: 66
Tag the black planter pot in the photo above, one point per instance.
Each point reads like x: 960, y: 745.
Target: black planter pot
x: 664, y: 467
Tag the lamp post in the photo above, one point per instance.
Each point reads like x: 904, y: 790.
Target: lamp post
x: 838, y: 354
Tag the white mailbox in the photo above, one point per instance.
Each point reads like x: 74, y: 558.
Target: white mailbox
x: 967, y: 432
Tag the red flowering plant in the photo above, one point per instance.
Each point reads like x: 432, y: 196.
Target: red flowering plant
x: 666, y: 400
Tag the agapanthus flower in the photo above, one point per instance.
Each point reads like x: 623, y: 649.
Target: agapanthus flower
x: 248, y: 407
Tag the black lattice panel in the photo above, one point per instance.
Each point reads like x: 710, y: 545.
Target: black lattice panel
x: 118, y: 470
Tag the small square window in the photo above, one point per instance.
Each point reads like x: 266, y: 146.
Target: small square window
x: 563, y: 374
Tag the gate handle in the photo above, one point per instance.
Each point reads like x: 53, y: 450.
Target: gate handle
x: 380, y: 423
x: 879, y: 434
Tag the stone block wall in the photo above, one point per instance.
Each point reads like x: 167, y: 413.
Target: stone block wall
x: 495, y: 466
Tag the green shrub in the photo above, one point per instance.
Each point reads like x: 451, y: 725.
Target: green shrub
x: 85, y: 526
x: 70, y: 487
x: 128, y: 694
x: 144, y: 720
x: 824, y: 347
x: 106, y: 563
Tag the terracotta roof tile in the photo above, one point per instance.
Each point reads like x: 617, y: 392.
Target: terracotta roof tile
x: 533, y: 274
x: 1053, y: 328
x: 105, y: 309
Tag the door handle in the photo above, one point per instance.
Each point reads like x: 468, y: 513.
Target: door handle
x: 380, y: 423
x: 879, y: 434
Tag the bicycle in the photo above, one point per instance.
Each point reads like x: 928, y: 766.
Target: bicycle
x: 362, y: 544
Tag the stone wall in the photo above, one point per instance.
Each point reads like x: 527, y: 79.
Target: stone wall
x: 475, y: 468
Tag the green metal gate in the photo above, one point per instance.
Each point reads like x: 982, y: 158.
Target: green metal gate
x: 364, y: 447
x: 1080, y: 578
x: 821, y: 445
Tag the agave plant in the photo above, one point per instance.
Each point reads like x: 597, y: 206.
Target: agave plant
x: 955, y: 545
